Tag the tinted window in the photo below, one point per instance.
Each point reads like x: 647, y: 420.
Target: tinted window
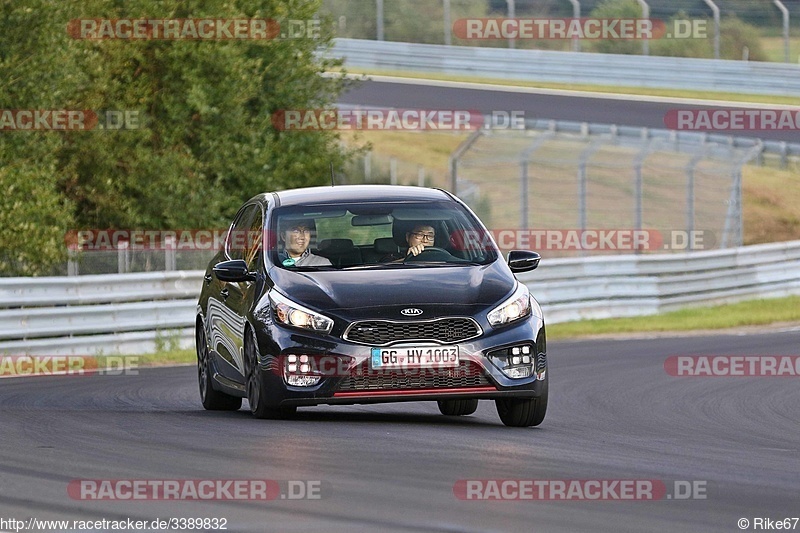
x: 379, y: 234
x: 245, y: 238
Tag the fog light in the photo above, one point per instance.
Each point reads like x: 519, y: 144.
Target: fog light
x: 512, y: 363
x: 517, y: 372
x: 298, y: 380
x: 299, y: 375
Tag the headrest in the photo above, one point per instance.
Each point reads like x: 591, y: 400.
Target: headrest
x: 385, y: 245
x: 335, y: 246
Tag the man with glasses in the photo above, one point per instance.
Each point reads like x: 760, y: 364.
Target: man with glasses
x: 295, y: 235
x: 418, y: 238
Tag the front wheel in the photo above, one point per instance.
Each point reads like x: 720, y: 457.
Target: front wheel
x: 212, y: 400
x: 256, y: 384
x: 523, y: 412
x: 457, y: 407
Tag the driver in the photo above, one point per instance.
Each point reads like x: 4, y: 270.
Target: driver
x: 418, y: 238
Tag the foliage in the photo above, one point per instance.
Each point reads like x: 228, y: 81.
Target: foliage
x: 205, y: 142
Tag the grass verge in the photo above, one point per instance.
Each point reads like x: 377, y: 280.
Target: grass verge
x: 749, y: 313
x: 742, y: 314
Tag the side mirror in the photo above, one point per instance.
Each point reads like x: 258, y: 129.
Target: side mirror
x: 234, y: 270
x: 523, y: 260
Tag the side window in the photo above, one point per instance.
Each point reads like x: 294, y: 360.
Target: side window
x: 240, y: 243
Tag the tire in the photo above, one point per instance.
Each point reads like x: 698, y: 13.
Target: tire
x: 256, y: 384
x: 212, y: 400
x: 523, y: 412
x: 457, y: 407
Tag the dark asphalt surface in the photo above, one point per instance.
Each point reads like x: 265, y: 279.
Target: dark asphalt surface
x: 614, y: 414
x: 626, y: 112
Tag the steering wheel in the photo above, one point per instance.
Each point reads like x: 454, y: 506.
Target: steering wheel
x: 443, y: 255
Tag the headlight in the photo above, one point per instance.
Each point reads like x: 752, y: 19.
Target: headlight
x: 293, y: 314
x: 516, y: 307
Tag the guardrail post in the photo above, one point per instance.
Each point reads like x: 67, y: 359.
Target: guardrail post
x: 379, y: 19
x: 170, y: 260
x: 123, y: 257
x: 785, y: 13
x: 645, y: 15
x: 715, y: 10
x: 576, y: 13
x: 447, y: 25
x: 72, y: 263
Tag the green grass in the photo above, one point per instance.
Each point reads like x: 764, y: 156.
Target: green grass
x: 749, y: 313
x: 644, y: 91
x: 774, y: 47
x: 167, y: 357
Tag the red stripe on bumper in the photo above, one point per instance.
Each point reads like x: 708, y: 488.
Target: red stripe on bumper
x: 416, y: 392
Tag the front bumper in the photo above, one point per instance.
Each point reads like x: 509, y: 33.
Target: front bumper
x: 476, y: 378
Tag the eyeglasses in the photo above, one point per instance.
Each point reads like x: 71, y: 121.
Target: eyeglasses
x: 424, y: 236
x: 296, y: 232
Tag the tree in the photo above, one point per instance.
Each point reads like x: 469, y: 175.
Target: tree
x: 205, y: 142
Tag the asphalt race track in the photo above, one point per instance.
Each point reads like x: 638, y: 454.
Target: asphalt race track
x: 615, y: 414
x: 621, y: 110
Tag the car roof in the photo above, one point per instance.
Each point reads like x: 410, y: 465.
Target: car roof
x: 359, y: 193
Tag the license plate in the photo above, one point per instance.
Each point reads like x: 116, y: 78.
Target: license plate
x: 415, y: 357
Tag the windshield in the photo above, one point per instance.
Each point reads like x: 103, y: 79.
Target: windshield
x: 379, y: 235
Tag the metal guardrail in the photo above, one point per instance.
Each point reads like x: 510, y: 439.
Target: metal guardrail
x: 574, y: 67
x: 129, y: 313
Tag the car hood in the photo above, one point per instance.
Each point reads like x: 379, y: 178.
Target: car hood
x: 382, y: 293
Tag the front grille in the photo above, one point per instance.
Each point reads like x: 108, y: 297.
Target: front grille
x: 363, y: 378
x: 383, y: 332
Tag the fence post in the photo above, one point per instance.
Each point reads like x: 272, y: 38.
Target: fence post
x: 715, y: 10
x: 690, y: 167
x: 645, y: 15
x: 420, y: 176
x: 379, y: 18
x: 576, y: 13
x: 524, y: 220
x: 785, y: 13
x: 456, y: 155
x: 368, y: 167
x: 447, y: 25
x: 393, y: 170
x: 512, y: 10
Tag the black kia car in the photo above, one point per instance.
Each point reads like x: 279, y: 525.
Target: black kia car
x: 368, y: 294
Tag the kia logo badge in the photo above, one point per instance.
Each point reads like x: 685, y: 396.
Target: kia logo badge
x: 411, y: 311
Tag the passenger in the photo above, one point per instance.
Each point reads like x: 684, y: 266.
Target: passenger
x: 295, y: 236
